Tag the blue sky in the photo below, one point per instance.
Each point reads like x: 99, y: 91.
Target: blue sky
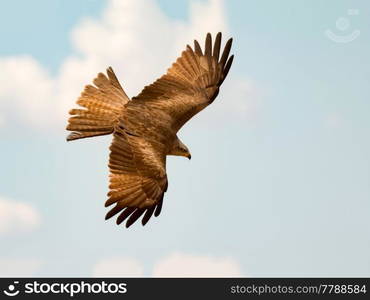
x: 281, y: 189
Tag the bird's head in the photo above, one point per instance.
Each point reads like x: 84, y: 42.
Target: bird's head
x: 179, y: 149
x: 185, y: 152
x: 182, y: 150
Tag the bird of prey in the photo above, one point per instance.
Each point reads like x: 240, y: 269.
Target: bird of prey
x: 145, y: 127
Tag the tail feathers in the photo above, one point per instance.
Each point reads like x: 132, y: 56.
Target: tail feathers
x: 102, y: 105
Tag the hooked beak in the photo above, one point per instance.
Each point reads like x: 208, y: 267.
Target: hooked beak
x: 189, y: 156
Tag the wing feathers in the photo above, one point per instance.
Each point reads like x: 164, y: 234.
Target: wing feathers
x: 137, y: 180
x: 115, y: 210
x: 197, y: 48
x: 226, y: 52
x: 158, y: 209
x: 191, y: 83
x: 148, y: 215
x: 217, y: 46
x: 134, y: 216
x: 208, y: 46
x: 123, y: 216
x: 227, y: 67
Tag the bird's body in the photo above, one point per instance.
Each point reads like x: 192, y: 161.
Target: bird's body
x: 145, y: 127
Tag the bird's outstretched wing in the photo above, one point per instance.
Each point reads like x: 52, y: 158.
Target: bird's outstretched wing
x: 189, y: 85
x: 138, y: 177
x: 102, y: 106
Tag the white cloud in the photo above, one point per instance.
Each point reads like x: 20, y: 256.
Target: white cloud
x: 19, y: 267
x: 185, y: 265
x: 174, y: 265
x: 118, y: 267
x: 26, y: 90
x: 16, y: 217
x: 133, y: 36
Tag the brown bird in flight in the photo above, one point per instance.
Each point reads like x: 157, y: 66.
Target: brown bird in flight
x: 145, y: 127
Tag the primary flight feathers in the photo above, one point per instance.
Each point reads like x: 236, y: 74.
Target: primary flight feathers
x: 145, y: 127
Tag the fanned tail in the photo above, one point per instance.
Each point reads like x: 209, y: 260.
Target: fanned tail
x: 102, y: 105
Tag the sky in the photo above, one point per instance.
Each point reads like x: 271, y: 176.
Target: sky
x: 278, y: 184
